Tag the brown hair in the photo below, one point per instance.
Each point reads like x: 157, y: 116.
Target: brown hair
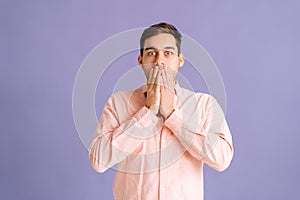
x: 158, y: 29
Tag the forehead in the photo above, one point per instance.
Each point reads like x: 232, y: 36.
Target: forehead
x: 161, y: 41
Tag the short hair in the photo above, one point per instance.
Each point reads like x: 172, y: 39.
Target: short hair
x: 158, y: 29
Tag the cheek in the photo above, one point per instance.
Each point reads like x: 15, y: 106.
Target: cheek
x: 174, y: 66
x: 174, y: 70
x: 173, y: 62
x: 148, y: 60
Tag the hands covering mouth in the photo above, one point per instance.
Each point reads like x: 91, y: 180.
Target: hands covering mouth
x: 160, y: 93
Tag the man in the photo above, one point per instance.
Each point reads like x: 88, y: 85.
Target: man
x: 160, y: 134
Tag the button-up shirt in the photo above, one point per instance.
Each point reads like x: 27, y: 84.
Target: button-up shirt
x: 159, y: 158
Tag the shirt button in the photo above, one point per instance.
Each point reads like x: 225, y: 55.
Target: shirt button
x: 163, y: 188
x: 164, y: 141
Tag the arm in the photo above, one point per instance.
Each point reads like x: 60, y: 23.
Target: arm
x: 206, y: 138
x: 113, y: 142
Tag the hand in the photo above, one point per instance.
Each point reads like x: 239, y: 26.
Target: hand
x: 167, y: 93
x: 153, y: 92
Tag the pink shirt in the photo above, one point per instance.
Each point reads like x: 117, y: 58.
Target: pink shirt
x: 157, y: 158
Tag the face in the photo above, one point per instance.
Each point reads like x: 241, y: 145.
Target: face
x: 161, y: 50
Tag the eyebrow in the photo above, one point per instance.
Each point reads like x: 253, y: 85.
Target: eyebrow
x: 153, y: 48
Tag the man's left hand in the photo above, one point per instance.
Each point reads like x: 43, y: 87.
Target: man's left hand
x: 167, y: 93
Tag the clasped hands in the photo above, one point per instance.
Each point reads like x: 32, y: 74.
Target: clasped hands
x: 160, y: 93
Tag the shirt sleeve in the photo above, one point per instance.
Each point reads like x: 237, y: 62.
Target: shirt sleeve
x: 206, y: 138
x: 113, y: 142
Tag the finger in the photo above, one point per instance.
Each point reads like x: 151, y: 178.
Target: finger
x: 153, y: 78
x: 158, y: 80
x: 169, y: 78
x: 158, y: 86
x: 164, y: 79
x: 150, y: 75
x: 155, y: 74
x: 162, y: 91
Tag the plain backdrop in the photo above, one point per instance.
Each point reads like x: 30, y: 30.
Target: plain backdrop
x: 255, y: 45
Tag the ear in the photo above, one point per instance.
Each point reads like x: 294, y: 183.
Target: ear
x: 140, y: 61
x: 181, y: 60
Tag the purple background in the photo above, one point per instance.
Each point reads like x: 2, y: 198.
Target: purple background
x: 255, y: 45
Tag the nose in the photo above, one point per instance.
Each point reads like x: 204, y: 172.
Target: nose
x: 160, y: 59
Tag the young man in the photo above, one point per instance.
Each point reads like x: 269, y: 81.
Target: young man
x: 160, y: 134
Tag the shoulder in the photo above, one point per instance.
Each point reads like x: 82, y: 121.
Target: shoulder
x: 123, y: 97
x: 120, y: 96
x: 197, y: 96
x: 197, y: 100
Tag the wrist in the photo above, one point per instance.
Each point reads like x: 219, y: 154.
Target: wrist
x: 154, y: 109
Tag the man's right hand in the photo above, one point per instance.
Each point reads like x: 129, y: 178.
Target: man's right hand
x: 153, y: 93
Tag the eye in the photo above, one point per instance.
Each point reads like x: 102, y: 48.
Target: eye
x: 151, y: 53
x: 168, y: 53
